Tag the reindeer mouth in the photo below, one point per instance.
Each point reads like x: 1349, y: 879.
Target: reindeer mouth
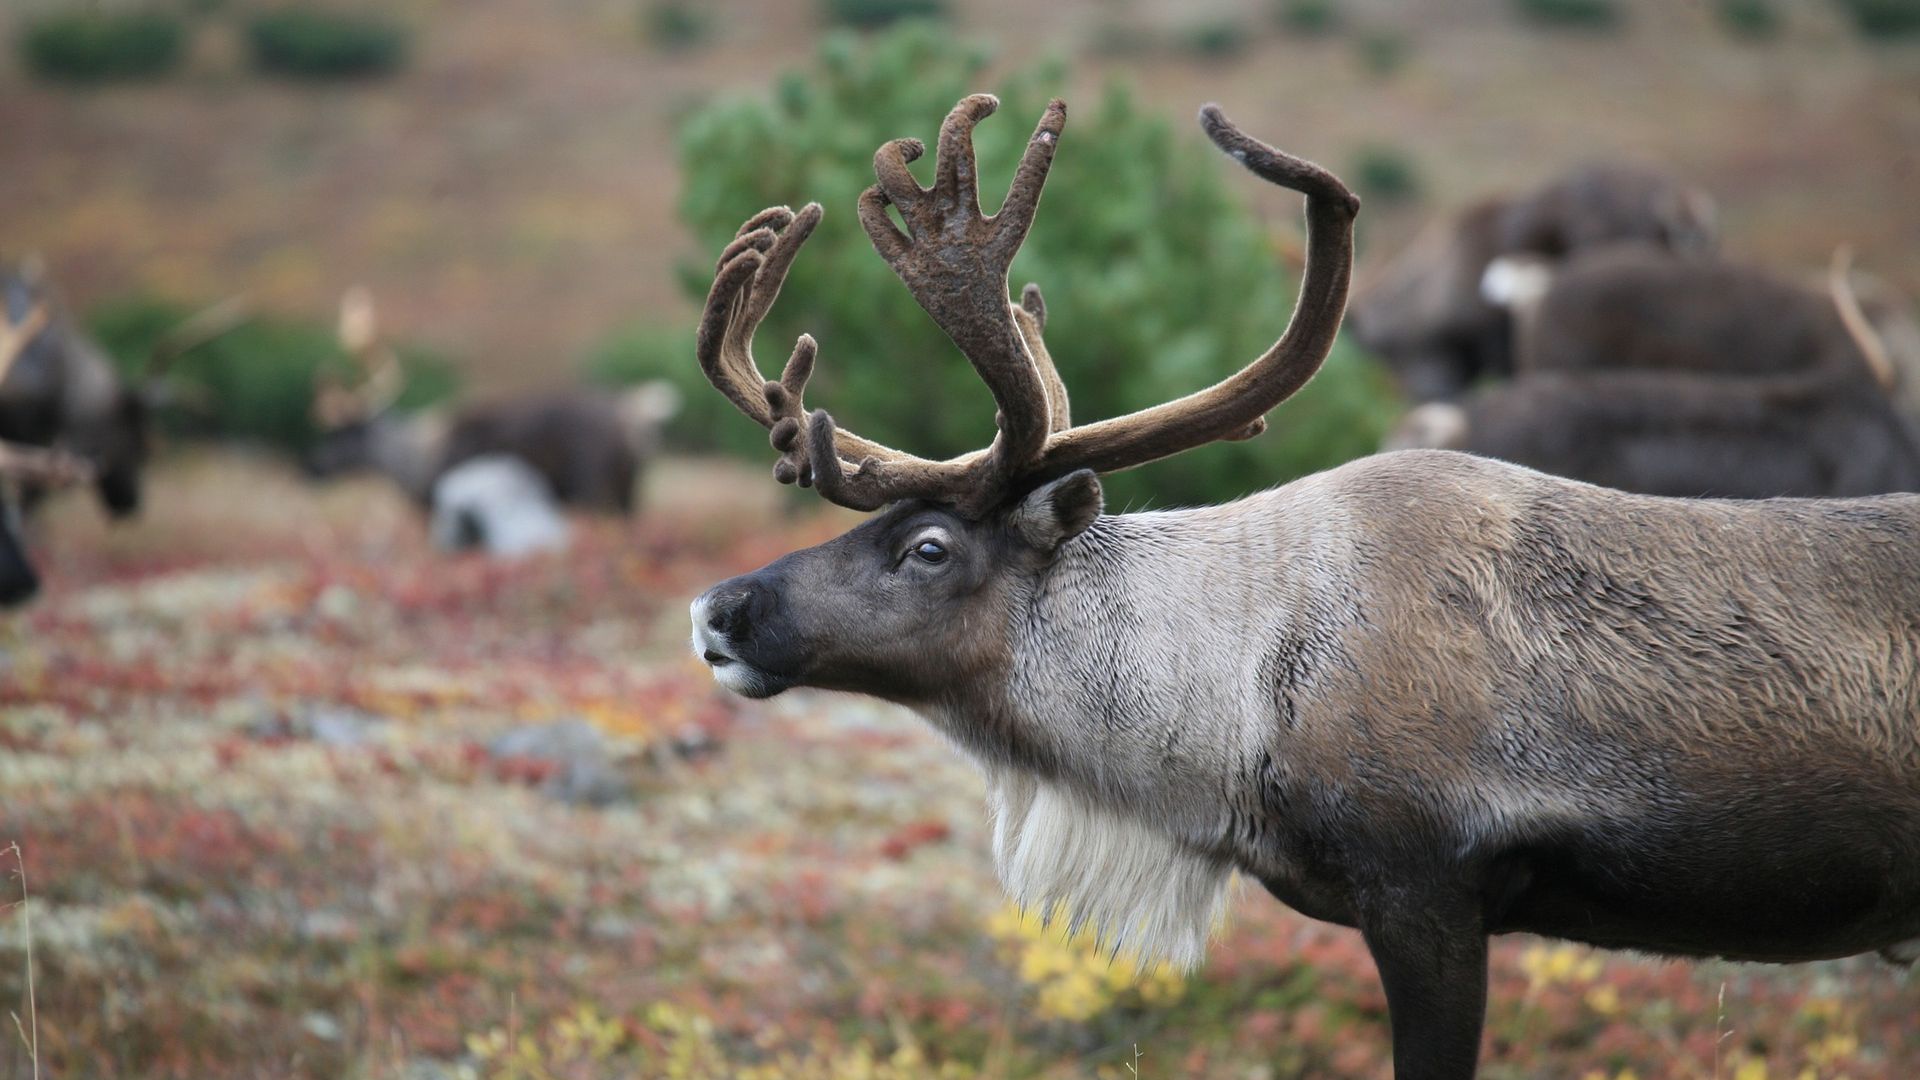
x: 717, y: 659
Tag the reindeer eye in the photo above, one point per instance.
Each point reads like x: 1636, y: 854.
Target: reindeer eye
x: 928, y: 551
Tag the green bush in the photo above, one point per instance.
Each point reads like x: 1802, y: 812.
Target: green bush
x: 314, y: 43
x: 102, y: 46
x: 1382, y: 52
x: 873, y: 14
x: 1308, y: 18
x: 1754, y: 20
x: 1159, y: 278
x: 1884, y: 18
x: 1571, y: 14
x: 255, y: 382
x: 676, y: 25
x: 1385, y: 173
x: 1216, y: 39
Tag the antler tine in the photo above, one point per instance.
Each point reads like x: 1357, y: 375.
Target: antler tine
x: 1032, y: 317
x: 42, y: 464
x: 1235, y: 407
x: 954, y: 261
x: 15, y: 337
x: 203, y: 326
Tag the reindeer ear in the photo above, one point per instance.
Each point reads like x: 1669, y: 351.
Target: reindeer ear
x: 1059, y: 511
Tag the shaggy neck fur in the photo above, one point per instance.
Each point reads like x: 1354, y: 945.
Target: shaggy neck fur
x: 1127, y: 729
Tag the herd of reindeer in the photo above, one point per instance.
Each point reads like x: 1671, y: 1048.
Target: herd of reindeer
x: 491, y: 475
x: 1589, y: 328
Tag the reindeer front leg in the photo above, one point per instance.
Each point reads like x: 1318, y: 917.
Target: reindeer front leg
x: 1431, y: 950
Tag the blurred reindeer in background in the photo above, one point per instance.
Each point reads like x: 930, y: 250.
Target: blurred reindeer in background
x: 588, y: 449
x: 61, y: 389
x: 1423, y: 314
x: 1692, y: 377
x: 23, y: 465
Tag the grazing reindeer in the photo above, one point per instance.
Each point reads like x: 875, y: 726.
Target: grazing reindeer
x: 1690, y: 377
x: 1425, y: 315
x: 1428, y: 695
x: 589, y: 448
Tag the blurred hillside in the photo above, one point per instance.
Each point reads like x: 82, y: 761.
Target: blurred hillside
x: 510, y: 193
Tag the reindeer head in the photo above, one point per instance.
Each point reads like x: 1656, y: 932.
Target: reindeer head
x: 914, y: 603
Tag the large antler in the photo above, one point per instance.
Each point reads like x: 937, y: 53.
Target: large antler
x: 15, y: 337
x: 381, y: 378
x: 954, y: 261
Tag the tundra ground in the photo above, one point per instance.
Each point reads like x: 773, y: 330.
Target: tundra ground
x: 297, y: 796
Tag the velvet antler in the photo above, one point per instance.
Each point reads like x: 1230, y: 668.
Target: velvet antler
x: 954, y: 261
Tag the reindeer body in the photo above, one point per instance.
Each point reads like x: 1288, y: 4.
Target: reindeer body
x: 1573, y: 711
x: 1692, y: 377
x: 1425, y: 314
x: 590, y: 448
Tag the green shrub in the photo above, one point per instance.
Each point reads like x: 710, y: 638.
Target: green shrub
x: 1159, y: 278
x: 102, y: 46
x: 676, y: 25
x: 1385, y: 173
x: 1382, y: 52
x: 1571, y: 14
x: 873, y: 14
x: 1884, y: 18
x: 314, y: 43
x: 1216, y: 39
x: 1308, y: 18
x: 255, y: 382
x: 1754, y: 20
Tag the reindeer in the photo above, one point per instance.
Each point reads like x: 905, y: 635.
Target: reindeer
x: 1425, y: 316
x: 22, y: 465
x: 1690, y: 377
x: 589, y: 448
x: 61, y: 389
x: 1428, y: 695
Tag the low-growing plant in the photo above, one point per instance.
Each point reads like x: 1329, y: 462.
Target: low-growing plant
x: 1385, y: 173
x: 1308, y: 18
x: 1570, y: 14
x: 1754, y: 20
x: 255, y: 382
x: 1884, y: 18
x: 102, y: 46
x: 315, y: 43
x: 1158, y: 276
x: 1382, y: 52
x: 1216, y: 39
x: 874, y: 14
x: 676, y: 25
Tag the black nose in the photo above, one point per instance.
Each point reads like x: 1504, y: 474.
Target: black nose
x: 729, y: 613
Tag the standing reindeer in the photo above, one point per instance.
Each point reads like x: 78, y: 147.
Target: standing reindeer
x: 589, y: 448
x: 1427, y: 695
x: 1425, y: 315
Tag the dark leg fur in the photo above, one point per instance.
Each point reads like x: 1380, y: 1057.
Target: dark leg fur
x: 1432, y: 958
